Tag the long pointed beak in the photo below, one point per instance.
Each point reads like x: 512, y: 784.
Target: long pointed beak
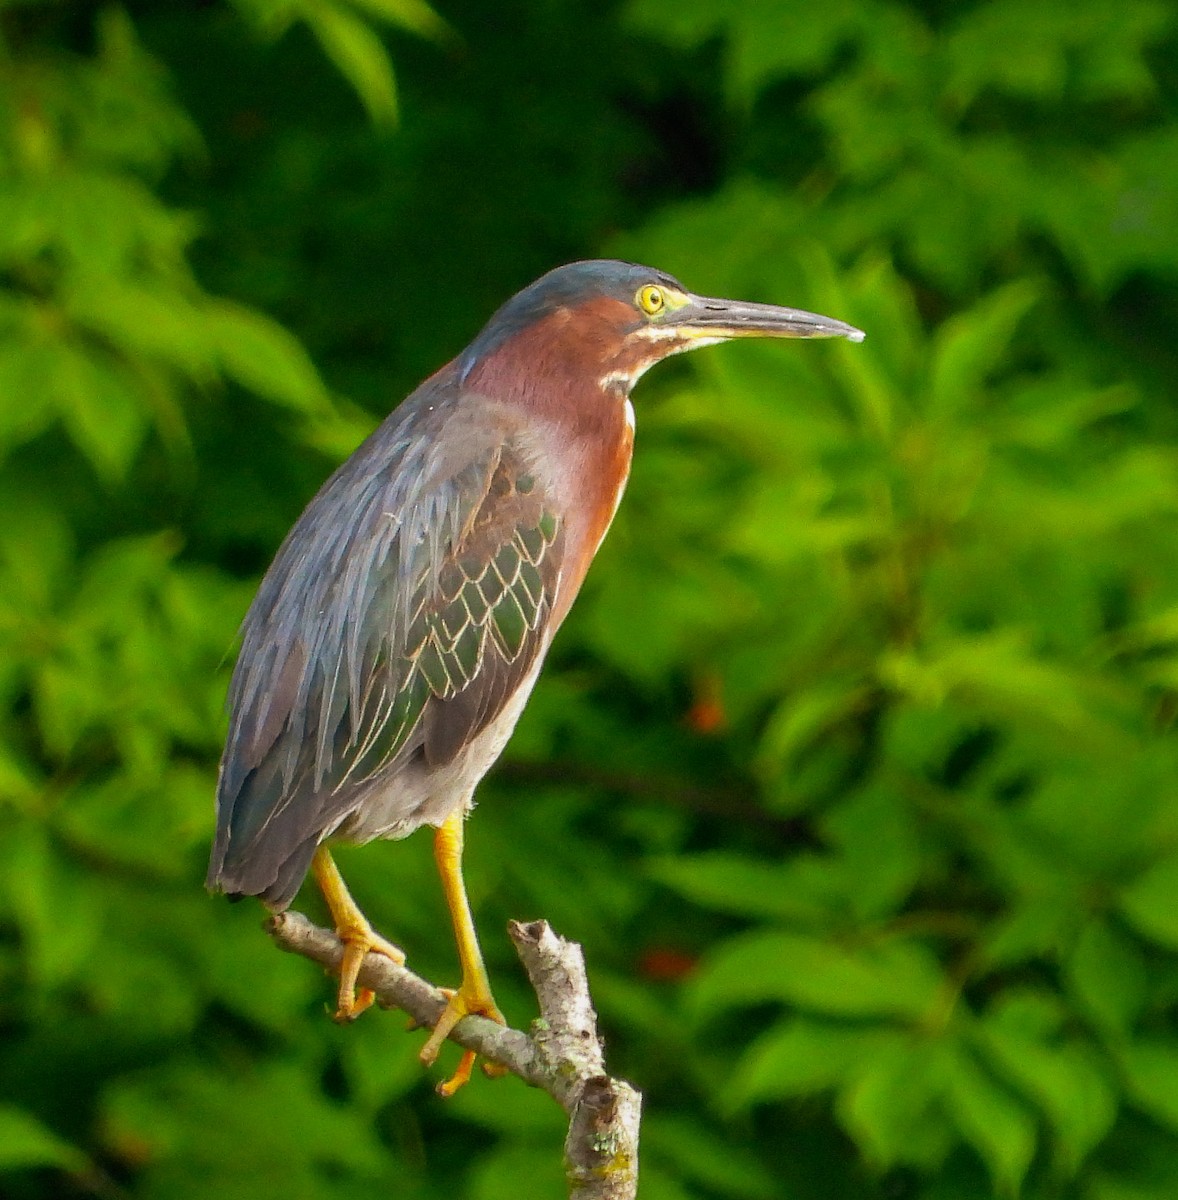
x: 706, y: 318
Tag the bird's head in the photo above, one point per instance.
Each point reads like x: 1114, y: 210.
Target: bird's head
x: 610, y: 321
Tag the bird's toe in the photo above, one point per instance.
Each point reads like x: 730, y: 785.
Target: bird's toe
x: 464, y: 1002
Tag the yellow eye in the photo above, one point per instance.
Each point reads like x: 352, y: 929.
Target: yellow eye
x: 651, y: 299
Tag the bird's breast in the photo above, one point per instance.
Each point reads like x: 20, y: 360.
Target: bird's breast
x: 579, y: 431
x: 593, y: 467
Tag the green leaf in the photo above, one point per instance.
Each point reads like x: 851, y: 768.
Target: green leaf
x: 359, y: 54
x: 26, y: 1142
x: 737, y: 883
x: 1106, y: 973
x: 891, y: 1108
x: 766, y: 41
x: 22, y: 787
x: 122, y: 821
x: 528, y: 1113
x: 57, y: 910
x: 883, y: 306
x: 874, y: 886
x: 661, y: 1182
x: 151, y: 320
x: 968, y: 347
x: 846, y: 880
x: 998, y: 676
x: 187, y: 1124
x: 800, y: 1056
x: 1065, y: 1079
x: 802, y: 717
x: 26, y: 389
x: 414, y: 15
x: 1150, y: 902
x: 1151, y: 1070
x: 264, y: 357
x: 892, y: 978
x: 991, y: 1119
x: 1035, y: 50
x: 1046, y: 414
x: 103, y: 415
x: 697, y: 1153
x: 36, y: 551
x: 499, y: 1174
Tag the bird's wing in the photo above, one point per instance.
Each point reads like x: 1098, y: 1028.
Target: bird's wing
x: 404, y: 610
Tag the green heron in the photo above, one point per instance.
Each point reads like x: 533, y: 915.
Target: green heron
x: 395, y: 638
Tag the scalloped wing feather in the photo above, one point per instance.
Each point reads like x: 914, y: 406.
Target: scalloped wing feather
x: 403, y: 611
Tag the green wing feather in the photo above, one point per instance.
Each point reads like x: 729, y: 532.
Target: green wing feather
x: 422, y: 611
x: 475, y: 629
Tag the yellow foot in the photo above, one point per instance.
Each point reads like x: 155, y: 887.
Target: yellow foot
x: 359, y: 939
x: 461, y: 1004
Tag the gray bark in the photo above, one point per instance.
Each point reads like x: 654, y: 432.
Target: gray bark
x: 562, y: 1054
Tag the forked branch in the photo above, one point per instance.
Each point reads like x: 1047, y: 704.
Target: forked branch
x: 562, y: 1054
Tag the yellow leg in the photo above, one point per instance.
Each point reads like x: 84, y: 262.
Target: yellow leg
x: 474, y: 993
x: 354, y: 931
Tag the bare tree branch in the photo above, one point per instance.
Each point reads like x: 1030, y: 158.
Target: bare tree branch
x: 562, y: 1055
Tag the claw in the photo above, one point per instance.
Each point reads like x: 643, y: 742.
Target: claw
x: 459, y: 1005
x: 359, y: 941
x: 474, y: 996
x: 358, y: 937
x: 460, y: 1078
x: 462, y: 1003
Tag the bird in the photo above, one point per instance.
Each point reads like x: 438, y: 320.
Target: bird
x: 394, y: 640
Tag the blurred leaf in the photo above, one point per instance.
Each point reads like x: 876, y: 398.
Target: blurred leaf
x: 800, y: 1056
x: 408, y: 14
x: 1107, y: 973
x: 25, y: 1142
x: 357, y: 51
x: 661, y: 1183
x: 57, y: 912
x: 498, y: 1176
x: 520, y: 1112
x: 181, y: 1118
x: 150, y: 321
x: 992, y: 1120
x: 1066, y: 1080
x: 767, y: 41
x: 999, y: 676
x: 264, y: 357
x: 1151, y: 1067
x: 801, y: 718
x: 122, y: 821
x: 26, y: 402
x: 1151, y: 902
x: 37, y: 549
x: 969, y: 347
x: 893, y: 978
x: 693, y: 1151
x: 738, y: 884
x: 100, y: 411
x: 1045, y: 413
x: 1033, y: 49
x: 874, y: 885
x: 890, y: 1107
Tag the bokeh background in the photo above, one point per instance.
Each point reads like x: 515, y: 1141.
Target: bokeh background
x: 854, y: 768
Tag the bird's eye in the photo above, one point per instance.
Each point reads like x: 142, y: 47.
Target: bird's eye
x: 651, y: 299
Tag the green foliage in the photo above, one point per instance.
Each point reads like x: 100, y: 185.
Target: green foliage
x: 853, y: 766
x: 344, y: 30
x: 25, y: 1142
x: 962, y: 953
